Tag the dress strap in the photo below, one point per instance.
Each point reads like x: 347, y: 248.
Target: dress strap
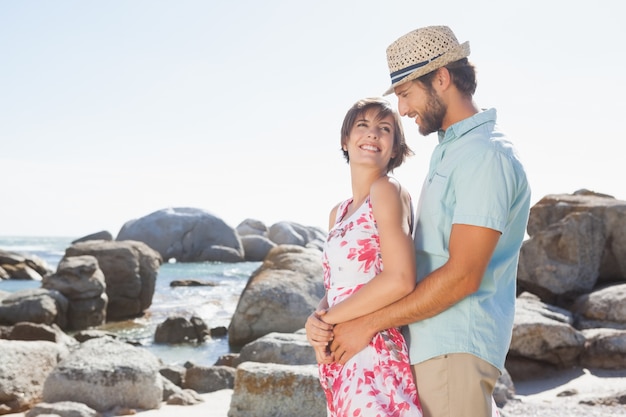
x: 342, y: 209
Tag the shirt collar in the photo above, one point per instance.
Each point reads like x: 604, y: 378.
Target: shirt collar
x: 462, y: 127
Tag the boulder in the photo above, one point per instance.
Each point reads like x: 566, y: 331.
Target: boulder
x: 27, y: 266
x: 82, y: 282
x: 256, y: 247
x: 130, y: 271
x: 62, y: 409
x: 104, y: 373
x: 553, y: 208
x: 203, y: 379
x: 179, y: 329
x: 252, y: 227
x: 563, y: 261
x: 25, y: 367
x: 186, y: 235
x: 606, y: 307
x: 290, y: 233
x: 35, y: 331
x: 605, y: 348
x: 37, y: 305
x: 545, y: 333
x: 279, y: 296
x: 268, y: 390
x: 102, y: 235
x: 284, y: 348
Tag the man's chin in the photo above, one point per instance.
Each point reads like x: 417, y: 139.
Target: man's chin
x: 425, y: 132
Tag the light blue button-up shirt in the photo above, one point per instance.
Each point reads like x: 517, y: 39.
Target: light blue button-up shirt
x: 475, y: 178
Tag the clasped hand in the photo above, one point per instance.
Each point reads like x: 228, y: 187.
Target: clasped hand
x: 320, y: 335
x: 339, y: 342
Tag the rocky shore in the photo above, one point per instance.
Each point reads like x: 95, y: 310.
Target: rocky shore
x: 575, y: 392
x: 565, y: 394
x: 567, y: 355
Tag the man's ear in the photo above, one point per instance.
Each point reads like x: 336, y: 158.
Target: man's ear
x: 443, y: 79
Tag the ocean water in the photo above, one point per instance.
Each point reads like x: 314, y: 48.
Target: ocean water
x: 214, y: 304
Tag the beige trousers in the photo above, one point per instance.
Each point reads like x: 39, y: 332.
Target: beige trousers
x: 456, y: 385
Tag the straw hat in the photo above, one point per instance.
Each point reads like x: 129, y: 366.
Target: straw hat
x: 421, y: 51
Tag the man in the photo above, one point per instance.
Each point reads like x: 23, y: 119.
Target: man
x: 470, y: 225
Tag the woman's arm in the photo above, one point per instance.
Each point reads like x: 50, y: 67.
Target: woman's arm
x: 392, y: 210
x: 318, y: 332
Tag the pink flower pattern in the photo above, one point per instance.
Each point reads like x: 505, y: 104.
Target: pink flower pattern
x: 378, y: 380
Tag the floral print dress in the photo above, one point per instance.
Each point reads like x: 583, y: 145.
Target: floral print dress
x: 377, y: 381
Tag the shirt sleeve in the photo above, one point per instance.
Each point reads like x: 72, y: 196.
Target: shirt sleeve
x: 483, y: 187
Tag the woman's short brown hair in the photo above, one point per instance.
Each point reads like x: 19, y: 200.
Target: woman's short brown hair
x: 400, y: 147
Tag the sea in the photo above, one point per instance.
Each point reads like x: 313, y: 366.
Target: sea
x: 215, y: 304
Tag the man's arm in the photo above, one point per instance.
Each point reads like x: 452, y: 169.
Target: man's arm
x: 471, y: 248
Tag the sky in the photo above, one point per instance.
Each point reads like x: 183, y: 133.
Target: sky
x: 113, y: 109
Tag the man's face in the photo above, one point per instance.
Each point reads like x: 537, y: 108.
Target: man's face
x: 423, y: 104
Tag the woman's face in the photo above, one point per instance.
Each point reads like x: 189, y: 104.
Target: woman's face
x: 371, y: 139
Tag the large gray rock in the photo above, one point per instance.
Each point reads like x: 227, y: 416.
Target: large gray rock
x: 35, y: 331
x: 271, y: 390
x: 81, y: 281
x: 605, y: 305
x: 203, y: 379
x: 104, y: 373
x: 545, y: 333
x: 37, y: 305
x: 563, y: 261
x: 20, y: 271
x: 185, y: 234
x: 130, y: 271
x: 62, y: 409
x: 605, y: 348
x: 290, y: 233
x: 284, y: 348
x: 19, y: 266
x: 24, y: 367
x: 279, y: 296
x: 102, y: 235
x: 612, y: 213
x: 179, y: 329
x: 252, y: 227
x: 256, y: 247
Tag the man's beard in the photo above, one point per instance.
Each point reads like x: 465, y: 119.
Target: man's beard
x: 432, y: 118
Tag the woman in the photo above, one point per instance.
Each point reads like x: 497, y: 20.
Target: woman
x: 370, y: 228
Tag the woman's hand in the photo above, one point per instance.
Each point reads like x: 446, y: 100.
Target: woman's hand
x: 319, y: 334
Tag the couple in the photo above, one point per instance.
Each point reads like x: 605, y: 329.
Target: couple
x: 467, y: 234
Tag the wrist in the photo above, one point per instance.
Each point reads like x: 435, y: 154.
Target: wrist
x: 328, y: 317
x: 369, y: 325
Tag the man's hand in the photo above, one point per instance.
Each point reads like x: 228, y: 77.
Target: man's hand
x: 349, y: 339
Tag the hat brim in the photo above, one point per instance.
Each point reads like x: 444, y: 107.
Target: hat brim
x: 460, y: 52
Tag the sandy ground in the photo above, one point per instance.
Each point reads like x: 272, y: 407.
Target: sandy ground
x: 558, y: 395
x: 565, y: 392
x: 216, y: 404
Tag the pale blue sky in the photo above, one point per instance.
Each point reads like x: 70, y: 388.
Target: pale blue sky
x: 110, y: 110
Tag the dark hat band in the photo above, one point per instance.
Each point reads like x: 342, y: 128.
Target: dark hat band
x: 400, y: 74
